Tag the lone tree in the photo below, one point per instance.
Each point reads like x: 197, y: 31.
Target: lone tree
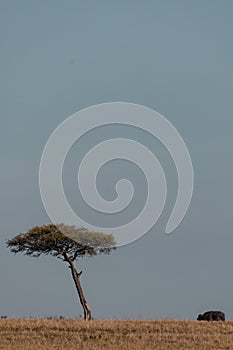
x: 64, y: 242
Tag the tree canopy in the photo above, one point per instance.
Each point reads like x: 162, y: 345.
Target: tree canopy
x: 57, y: 240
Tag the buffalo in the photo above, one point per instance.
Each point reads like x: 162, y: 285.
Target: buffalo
x: 211, y: 316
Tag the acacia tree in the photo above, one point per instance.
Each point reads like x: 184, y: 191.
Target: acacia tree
x: 64, y: 242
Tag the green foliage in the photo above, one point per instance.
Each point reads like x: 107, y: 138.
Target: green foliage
x: 61, y: 241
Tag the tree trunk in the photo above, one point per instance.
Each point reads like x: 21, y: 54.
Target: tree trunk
x: 76, y: 278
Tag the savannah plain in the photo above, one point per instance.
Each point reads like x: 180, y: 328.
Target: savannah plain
x: 70, y: 334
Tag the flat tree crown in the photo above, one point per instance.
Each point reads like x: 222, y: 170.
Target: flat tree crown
x: 60, y: 240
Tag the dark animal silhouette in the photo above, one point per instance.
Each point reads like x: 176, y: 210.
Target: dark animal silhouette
x: 212, y: 316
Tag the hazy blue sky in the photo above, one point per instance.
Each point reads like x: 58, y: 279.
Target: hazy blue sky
x: 176, y: 57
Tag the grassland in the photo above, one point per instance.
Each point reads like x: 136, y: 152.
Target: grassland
x: 67, y: 334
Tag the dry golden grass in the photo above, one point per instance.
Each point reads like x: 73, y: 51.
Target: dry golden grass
x: 44, y: 334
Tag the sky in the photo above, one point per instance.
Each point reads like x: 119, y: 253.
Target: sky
x: 175, y: 57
